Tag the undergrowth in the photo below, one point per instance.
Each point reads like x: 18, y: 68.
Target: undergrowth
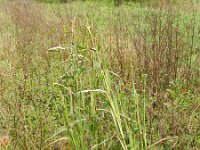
x: 89, y: 76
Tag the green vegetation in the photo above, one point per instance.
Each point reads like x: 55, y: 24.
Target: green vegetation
x: 88, y: 75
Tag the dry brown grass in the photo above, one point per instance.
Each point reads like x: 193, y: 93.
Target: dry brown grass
x: 4, y: 142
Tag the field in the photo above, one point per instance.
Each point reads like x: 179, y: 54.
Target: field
x: 89, y: 75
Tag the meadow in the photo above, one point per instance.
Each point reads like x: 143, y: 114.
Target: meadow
x: 89, y: 75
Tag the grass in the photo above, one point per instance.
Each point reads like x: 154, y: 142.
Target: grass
x: 124, y: 78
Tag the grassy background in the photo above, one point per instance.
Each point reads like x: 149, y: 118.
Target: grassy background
x: 127, y: 79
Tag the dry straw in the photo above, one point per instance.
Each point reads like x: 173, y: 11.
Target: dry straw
x: 4, y: 142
